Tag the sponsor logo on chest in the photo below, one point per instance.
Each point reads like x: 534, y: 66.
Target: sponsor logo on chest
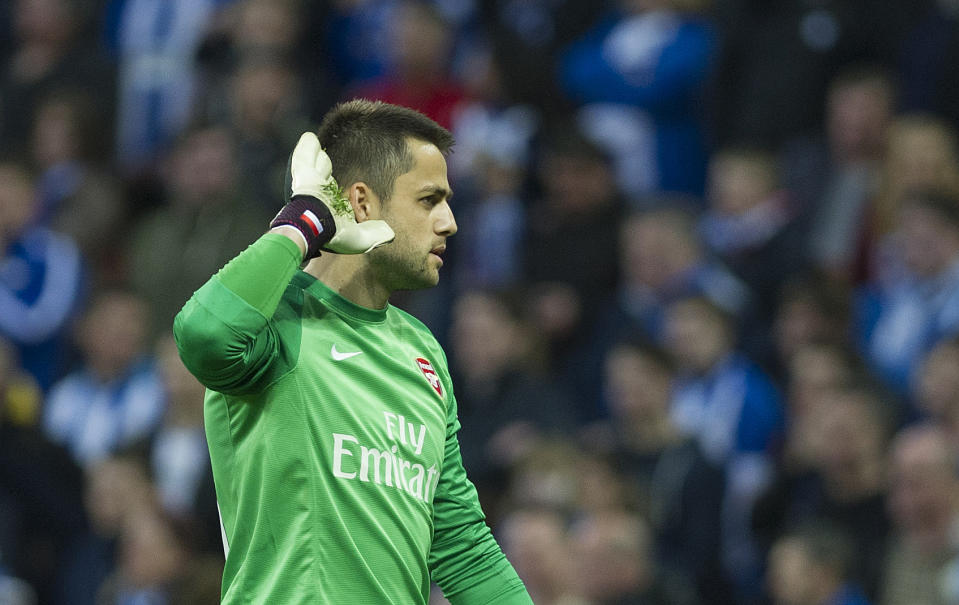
x: 398, y: 465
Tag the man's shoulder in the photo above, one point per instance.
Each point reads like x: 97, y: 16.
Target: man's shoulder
x: 410, y: 328
x: 404, y: 320
x: 398, y: 315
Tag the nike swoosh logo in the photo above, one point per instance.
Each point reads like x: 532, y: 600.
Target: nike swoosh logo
x: 337, y: 356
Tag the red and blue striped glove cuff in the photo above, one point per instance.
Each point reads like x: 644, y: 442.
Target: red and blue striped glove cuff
x: 310, y: 217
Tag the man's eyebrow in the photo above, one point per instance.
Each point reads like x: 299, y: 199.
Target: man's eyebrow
x: 436, y: 190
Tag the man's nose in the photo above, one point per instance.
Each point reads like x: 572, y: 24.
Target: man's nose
x: 445, y: 221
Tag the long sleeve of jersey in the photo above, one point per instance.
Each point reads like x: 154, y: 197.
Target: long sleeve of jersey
x: 465, y: 559
x: 224, y: 331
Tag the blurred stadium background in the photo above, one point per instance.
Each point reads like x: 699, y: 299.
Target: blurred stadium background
x: 702, y: 310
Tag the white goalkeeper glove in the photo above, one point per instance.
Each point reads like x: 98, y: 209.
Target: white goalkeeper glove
x: 318, y: 208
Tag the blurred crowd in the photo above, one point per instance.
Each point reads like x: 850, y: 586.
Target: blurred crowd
x: 702, y: 312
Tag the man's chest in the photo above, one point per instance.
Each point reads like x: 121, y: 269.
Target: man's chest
x: 376, y: 408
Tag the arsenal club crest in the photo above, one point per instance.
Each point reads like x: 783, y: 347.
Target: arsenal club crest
x: 427, y: 368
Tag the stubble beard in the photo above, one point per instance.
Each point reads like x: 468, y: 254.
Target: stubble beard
x: 400, y: 268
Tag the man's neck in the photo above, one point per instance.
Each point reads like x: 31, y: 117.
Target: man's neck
x: 350, y: 277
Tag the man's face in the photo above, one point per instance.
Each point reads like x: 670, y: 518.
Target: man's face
x: 851, y: 437
x: 420, y: 215
x: 922, y: 487
x: 694, y: 336
x: 737, y: 184
x: 929, y: 241
x: 203, y: 167
x: 638, y: 387
x: 654, y: 250
x: 858, y: 116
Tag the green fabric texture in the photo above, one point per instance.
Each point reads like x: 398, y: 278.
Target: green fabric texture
x: 271, y: 250
x: 332, y: 433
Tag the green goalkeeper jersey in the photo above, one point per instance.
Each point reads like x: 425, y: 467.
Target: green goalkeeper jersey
x: 332, y: 434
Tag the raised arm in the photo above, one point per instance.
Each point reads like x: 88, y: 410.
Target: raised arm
x: 225, y: 333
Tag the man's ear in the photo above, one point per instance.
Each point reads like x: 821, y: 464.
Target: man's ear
x: 366, y: 204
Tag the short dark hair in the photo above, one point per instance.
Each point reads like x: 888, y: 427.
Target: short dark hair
x: 367, y: 141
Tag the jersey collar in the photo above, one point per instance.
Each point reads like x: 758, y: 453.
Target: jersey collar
x: 336, y: 302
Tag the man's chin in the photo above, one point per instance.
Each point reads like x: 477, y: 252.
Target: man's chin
x: 421, y: 281
x: 429, y: 281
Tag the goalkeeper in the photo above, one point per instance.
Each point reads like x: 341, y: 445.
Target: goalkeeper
x: 329, y: 414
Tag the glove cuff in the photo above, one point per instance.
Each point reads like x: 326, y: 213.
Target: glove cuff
x: 310, y: 217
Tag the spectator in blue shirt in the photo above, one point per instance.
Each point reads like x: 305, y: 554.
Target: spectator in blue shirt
x: 155, y: 44
x: 41, y: 279
x: 116, y: 397
x: 661, y: 260
x: 735, y: 411
x: 753, y: 224
x: 639, y: 77
x: 902, y: 319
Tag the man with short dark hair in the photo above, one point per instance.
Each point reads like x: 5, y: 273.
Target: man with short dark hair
x: 330, y: 416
